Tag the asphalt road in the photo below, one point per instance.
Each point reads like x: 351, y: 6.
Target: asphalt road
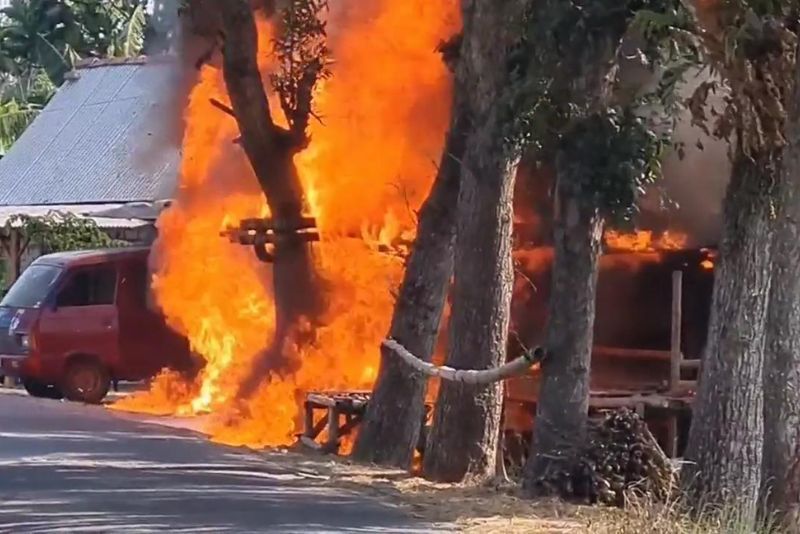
x: 73, y: 468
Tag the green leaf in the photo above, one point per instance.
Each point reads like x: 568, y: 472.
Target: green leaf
x: 130, y: 41
x: 14, y: 119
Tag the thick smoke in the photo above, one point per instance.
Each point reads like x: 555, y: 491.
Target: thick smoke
x: 694, y: 178
x: 172, y: 74
x: 696, y: 182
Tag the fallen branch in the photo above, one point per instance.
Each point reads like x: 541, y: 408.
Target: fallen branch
x: 469, y: 376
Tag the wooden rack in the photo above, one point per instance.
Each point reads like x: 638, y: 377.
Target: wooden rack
x: 342, y: 412
x: 266, y: 236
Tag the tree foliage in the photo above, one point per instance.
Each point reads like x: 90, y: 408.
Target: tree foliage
x: 60, y: 232
x: 566, y: 88
x: 38, y: 34
x: 41, y: 40
x: 110, y: 28
x: 53, y: 34
x: 304, y: 58
x: 611, y: 157
x: 750, y: 54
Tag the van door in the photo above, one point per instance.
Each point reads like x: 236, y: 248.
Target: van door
x: 146, y: 343
x: 83, y: 319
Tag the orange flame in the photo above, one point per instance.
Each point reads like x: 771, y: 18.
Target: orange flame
x: 368, y: 168
x: 645, y: 241
x: 710, y: 258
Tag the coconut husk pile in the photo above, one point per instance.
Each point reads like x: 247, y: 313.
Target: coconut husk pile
x: 621, y: 455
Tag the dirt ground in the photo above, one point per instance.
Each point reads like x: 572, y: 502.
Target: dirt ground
x: 488, y: 509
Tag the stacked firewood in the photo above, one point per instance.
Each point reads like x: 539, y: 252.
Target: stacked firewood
x: 620, y: 456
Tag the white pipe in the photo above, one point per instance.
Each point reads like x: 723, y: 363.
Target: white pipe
x: 488, y: 376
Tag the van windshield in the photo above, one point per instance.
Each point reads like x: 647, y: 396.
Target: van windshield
x: 32, y: 288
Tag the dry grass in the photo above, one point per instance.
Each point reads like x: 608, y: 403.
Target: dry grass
x: 649, y: 517
x: 501, y: 509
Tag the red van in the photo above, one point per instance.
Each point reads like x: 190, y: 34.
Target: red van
x: 75, y: 322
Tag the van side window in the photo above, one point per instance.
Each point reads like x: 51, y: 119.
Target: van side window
x: 89, y: 287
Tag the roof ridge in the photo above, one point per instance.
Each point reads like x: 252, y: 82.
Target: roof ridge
x: 96, y: 62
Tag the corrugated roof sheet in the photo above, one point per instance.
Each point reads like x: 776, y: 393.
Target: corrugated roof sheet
x: 103, y: 138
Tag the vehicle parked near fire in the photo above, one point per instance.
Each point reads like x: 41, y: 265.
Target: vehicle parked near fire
x: 75, y: 322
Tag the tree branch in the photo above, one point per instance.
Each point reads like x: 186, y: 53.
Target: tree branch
x: 242, y: 76
x: 268, y: 147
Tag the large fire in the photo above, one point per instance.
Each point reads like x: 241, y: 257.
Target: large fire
x: 369, y: 166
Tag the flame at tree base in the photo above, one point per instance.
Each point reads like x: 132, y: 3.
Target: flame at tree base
x: 342, y: 355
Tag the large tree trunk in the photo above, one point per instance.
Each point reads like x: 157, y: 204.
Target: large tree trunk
x: 271, y: 153
x: 781, y: 475
x: 781, y: 463
x: 467, y: 418
x: 560, y: 424
x: 396, y: 410
x: 725, y: 442
x: 563, y: 403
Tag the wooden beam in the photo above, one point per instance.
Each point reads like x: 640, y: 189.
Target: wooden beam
x: 690, y: 364
x: 631, y: 354
x: 675, y: 339
x: 635, y: 402
x: 321, y: 400
x: 310, y: 443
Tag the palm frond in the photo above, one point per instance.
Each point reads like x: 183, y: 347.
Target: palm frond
x: 14, y: 119
x: 55, y: 63
x: 130, y: 41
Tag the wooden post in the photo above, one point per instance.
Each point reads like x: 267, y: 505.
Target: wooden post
x: 333, y: 427
x: 675, y: 361
x: 672, y: 434
x: 675, y: 341
x: 309, y: 420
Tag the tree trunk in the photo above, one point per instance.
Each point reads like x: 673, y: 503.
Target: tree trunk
x: 466, y: 422
x: 725, y: 442
x: 781, y: 485
x: 391, y: 429
x: 563, y: 406
x: 563, y: 403
x: 271, y: 153
x: 781, y: 463
x: 467, y: 418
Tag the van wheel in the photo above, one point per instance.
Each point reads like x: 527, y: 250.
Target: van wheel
x: 86, y: 381
x: 42, y: 391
